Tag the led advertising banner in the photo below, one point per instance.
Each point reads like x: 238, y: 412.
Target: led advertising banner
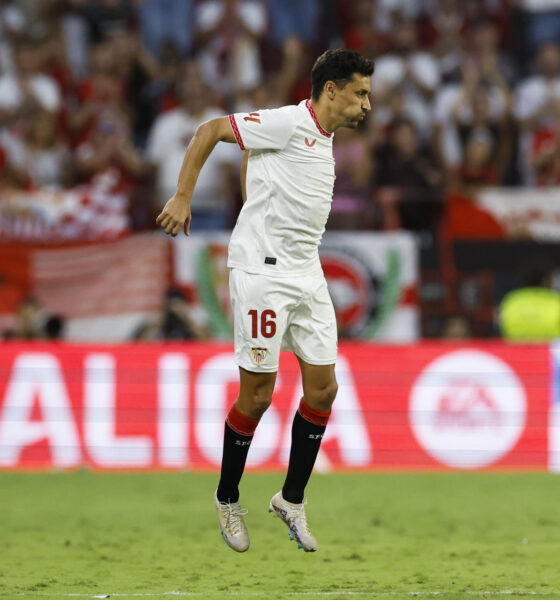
x: 158, y: 406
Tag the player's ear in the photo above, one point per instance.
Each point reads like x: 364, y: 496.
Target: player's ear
x: 330, y: 89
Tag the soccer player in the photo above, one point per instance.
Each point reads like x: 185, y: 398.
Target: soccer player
x: 278, y: 291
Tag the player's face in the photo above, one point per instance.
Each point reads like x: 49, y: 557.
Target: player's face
x: 353, y: 100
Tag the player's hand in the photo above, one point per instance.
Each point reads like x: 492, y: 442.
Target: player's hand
x: 176, y: 214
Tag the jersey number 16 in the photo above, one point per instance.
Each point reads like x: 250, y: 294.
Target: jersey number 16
x: 268, y: 326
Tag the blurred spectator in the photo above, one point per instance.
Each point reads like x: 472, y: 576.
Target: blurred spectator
x: 361, y: 33
x: 535, y: 103
x: 456, y: 328
x: 164, y: 22
x: 484, y: 47
x: 440, y: 30
x: 408, y: 180
x: 266, y: 95
x: 135, y: 69
x: 12, y: 24
x: 478, y: 168
x: 390, y: 12
x: 293, y: 19
x: 484, y: 142
x: 541, y: 23
x: 40, y: 158
x: 54, y: 61
x: 408, y: 70
x: 71, y: 19
x: 168, y: 140
x: 27, y: 90
x: 474, y: 12
x: 478, y: 101
x: 103, y: 90
x: 352, y: 188
x: 546, y: 151
x: 107, y: 157
x: 30, y: 320
x: 54, y: 328
x: 227, y: 42
x: 107, y: 17
x: 290, y: 47
x: 173, y: 323
x: 159, y: 93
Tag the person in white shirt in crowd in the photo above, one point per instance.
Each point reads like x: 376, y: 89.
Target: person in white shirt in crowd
x: 484, y: 46
x: 388, y: 12
x: 456, y: 106
x: 169, y: 137
x: 410, y: 70
x: 40, y: 158
x: 227, y: 39
x: 535, y: 104
x: 26, y: 89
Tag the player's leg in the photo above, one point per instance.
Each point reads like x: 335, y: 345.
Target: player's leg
x: 255, y: 396
x: 308, y: 426
x: 313, y: 338
x: 258, y: 330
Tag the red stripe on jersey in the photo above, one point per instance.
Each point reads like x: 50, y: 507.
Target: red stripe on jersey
x: 236, y: 131
x: 314, y: 117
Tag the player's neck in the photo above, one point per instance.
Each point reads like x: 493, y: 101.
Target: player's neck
x: 327, y: 120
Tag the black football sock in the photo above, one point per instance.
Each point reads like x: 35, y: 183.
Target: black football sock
x: 308, y: 428
x: 238, y: 433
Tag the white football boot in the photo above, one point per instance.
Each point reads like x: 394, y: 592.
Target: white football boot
x: 232, y: 525
x: 294, y: 517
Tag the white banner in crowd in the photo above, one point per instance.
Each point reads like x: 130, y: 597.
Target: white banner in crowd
x: 532, y: 213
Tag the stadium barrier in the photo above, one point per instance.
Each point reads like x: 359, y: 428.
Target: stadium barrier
x: 424, y: 406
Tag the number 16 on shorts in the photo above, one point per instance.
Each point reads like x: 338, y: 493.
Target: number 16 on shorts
x: 266, y: 323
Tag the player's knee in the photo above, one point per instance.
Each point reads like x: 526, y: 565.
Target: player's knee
x: 322, y: 398
x: 258, y: 404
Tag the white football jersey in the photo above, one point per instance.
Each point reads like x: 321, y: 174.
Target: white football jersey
x: 290, y: 179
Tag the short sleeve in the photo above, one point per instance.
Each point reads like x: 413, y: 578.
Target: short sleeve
x: 269, y: 129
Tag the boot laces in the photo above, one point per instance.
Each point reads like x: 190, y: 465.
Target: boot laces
x: 234, y: 516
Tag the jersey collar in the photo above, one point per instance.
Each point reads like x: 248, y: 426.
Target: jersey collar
x: 314, y: 117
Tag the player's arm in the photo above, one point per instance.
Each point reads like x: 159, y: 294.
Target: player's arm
x: 243, y: 176
x: 176, y: 213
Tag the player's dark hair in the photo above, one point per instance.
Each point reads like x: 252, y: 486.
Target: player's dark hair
x: 338, y: 66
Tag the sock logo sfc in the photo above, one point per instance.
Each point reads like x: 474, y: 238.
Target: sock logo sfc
x: 242, y: 442
x: 315, y: 436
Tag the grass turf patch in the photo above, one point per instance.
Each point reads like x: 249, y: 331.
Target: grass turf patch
x: 380, y: 535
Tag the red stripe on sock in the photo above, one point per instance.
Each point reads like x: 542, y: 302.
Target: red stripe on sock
x: 313, y: 416
x: 240, y: 423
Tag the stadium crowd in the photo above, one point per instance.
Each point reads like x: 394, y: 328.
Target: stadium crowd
x: 109, y: 92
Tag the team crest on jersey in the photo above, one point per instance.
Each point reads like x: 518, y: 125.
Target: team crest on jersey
x: 310, y: 144
x: 258, y: 355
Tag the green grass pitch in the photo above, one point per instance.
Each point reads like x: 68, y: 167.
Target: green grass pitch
x: 449, y: 536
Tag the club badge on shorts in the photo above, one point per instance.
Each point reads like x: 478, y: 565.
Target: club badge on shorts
x: 258, y: 355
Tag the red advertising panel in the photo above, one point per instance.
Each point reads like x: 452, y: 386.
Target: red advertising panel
x: 426, y: 406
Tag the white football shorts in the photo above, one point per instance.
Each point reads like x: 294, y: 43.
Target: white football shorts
x: 281, y: 313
